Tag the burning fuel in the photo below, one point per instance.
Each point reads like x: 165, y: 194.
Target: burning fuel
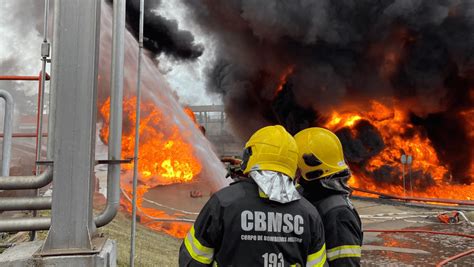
x: 374, y: 141
x: 165, y: 158
x: 390, y: 77
x: 172, y: 152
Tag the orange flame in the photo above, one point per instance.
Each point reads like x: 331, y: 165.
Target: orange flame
x: 283, y: 79
x: 164, y: 157
x: 190, y: 114
x: 394, y: 126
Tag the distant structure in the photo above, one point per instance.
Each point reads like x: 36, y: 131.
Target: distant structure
x: 218, y: 130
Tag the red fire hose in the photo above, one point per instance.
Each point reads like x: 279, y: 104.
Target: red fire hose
x: 418, y: 231
x: 457, y: 256
x: 441, y: 263
x: 421, y: 199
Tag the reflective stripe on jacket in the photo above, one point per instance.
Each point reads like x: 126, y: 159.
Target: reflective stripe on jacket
x: 343, y: 230
x: 238, y: 227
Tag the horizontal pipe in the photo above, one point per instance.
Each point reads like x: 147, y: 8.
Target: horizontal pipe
x: 34, y: 224
x: 25, y: 224
x: 25, y: 203
x: 21, y: 78
x: 422, y: 199
x: 25, y: 135
x: 26, y: 182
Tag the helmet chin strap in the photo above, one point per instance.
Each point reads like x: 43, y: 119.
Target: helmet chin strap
x: 245, y: 158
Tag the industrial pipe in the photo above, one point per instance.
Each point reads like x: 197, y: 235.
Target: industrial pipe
x: 7, y: 131
x: 26, y: 182
x: 23, y: 224
x: 137, y: 136
x: 116, y: 99
x: 21, y: 78
x: 45, y: 47
x: 18, y: 78
x: 25, y: 135
x: 25, y: 203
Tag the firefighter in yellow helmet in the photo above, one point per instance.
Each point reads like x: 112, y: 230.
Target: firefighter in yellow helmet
x: 324, y: 176
x: 261, y: 220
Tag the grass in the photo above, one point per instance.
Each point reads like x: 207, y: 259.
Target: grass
x: 151, y: 248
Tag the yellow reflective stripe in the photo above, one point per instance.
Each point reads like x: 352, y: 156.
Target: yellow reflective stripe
x: 214, y: 264
x: 318, y: 258
x: 197, y: 251
x: 262, y: 194
x: 199, y: 245
x: 348, y: 251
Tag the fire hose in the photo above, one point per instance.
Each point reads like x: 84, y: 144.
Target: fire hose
x: 455, y: 257
x: 156, y: 219
x: 421, y: 199
x: 408, y: 215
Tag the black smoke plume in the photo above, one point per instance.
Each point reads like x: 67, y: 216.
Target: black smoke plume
x: 161, y: 35
x: 346, y: 52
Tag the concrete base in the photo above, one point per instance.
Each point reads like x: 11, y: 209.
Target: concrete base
x: 21, y: 255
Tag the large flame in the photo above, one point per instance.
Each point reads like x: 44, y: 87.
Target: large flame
x: 164, y: 157
x: 400, y: 137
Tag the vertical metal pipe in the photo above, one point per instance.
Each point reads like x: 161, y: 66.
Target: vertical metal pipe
x: 409, y: 177
x: 137, y: 138
x: 116, y: 99
x: 42, y: 81
x: 7, y: 132
x: 39, y: 116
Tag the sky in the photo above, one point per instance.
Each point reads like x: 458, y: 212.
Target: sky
x: 188, y: 79
x: 21, y: 41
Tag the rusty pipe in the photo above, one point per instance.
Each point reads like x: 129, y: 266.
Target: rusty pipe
x: 25, y: 135
x: 21, y: 78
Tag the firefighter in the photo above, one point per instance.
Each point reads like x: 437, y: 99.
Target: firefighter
x: 261, y: 220
x: 324, y: 176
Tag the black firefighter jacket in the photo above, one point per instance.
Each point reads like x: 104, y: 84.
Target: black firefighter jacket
x: 238, y: 226
x: 342, y: 229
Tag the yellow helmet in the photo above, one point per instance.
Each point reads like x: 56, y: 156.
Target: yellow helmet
x: 320, y: 153
x: 271, y: 148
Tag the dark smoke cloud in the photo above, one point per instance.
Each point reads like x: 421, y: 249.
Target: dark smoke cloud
x: 361, y: 143
x: 419, y: 51
x: 161, y: 35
